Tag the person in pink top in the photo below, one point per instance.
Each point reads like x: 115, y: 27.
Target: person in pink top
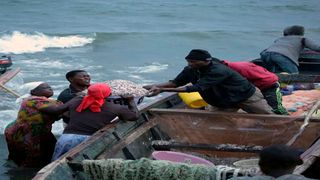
x: 266, y: 81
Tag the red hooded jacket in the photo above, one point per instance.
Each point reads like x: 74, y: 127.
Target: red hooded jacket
x: 257, y: 75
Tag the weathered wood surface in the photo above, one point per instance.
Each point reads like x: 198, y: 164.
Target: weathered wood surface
x: 311, y: 159
x: 196, y: 126
x: 8, y: 75
x: 167, y: 145
x: 127, y: 140
x: 309, y: 55
x: 299, y: 78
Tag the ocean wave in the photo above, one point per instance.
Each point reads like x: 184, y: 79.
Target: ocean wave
x: 18, y: 42
x: 299, y: 7
x: 134, y: 71
x: 48, y: 64
x: 152, y: 68
x: 138, y: 77
x: 6, y: 117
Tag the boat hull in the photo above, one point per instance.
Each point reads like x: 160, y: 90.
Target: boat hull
x: 199, y: 131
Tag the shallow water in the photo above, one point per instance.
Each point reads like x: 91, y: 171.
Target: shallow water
x: 8, y: 170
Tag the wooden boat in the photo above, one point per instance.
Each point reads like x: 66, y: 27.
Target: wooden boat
x: 5, y: 63
x: 6, y: 73
x: 7, y: 76
x: 167, y: 124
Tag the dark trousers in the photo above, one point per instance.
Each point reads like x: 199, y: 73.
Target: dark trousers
x: 278, y: 63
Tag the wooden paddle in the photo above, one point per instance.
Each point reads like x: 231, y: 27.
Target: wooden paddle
x: 10, y: 91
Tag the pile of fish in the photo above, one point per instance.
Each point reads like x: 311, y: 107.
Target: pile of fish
x: 120, y: 87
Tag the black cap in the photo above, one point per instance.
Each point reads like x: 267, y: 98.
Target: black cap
x: 199, y: 54
x: 280, y: 155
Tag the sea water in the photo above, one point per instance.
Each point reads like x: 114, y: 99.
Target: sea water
x: 142, y: 41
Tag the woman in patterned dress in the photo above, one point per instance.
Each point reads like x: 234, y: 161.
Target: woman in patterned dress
x: 29, y: 138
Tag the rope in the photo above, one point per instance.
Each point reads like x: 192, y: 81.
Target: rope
x: 305, y: 123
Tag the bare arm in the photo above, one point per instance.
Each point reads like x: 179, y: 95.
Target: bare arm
x: 179, y: 89
x: 155, y: 89
x: 168, y: 84
x: 133, y: 107
x: 55, y: 109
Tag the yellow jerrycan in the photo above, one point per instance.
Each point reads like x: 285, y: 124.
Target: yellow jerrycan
x: 193, y: 99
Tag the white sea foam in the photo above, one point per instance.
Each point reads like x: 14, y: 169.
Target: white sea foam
x: 56, y: 74
x: 152, y: 68
x: 6, y: 117
x: 49, y: 64
x: 135, y: 76
x: 18, y: 42
x: 88, y: 68
x: 135, y: 72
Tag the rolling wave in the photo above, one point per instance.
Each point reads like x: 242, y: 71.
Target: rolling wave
x: 152, y: 68
x: 18, y: 42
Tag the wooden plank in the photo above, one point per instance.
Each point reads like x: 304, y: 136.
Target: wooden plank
x: 161, y: 101
x: 201, y: 113
x: 198, y: 126
x: 309, y: 157
x: 10, y: 91
x: 299, y: 78
x: 309, y: 55
x: 8, y: 75
x: 167, y: 145
x: 60, y: 167
x: 127, y: 140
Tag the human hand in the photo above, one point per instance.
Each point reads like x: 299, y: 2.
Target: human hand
x: 148, y: 87
x: 153, y: 91
x: 128, y: 97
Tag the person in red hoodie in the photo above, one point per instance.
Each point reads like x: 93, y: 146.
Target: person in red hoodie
x: 266, y: 81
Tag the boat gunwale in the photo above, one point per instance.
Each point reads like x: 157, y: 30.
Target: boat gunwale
x: 8, y: 75
x: 269, y: 117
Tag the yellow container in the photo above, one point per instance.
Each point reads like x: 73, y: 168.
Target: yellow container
x: 193, y: 99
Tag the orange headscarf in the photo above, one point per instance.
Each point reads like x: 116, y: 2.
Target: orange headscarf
x: 95, y: 98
